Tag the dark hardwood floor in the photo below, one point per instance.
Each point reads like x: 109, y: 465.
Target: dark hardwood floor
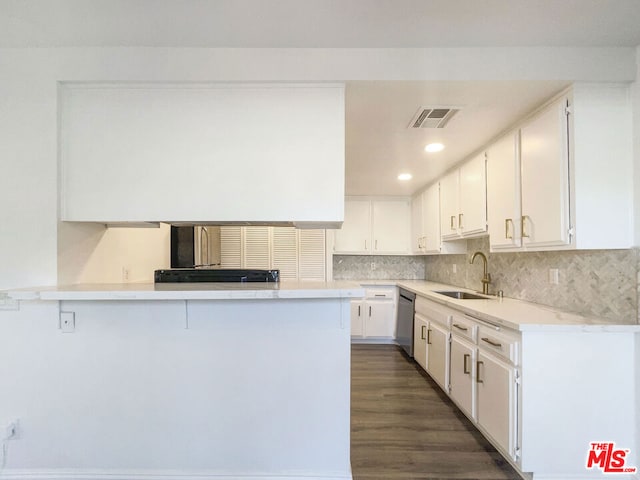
x: 404, y: 427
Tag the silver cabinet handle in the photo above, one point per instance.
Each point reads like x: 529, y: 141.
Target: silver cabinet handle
x: 460, y: 215
x: 478, y: 363
x: 460, y: 327
x: 369, y: 310
x: 465, y: 369
x: 429, y: 337
x: 485, y: 339
x: 376, y: 245
x: 358, y: 310
x: 365, y: 244
x: 380, y: 295
x: 424, y: 330
x: 453, y: 218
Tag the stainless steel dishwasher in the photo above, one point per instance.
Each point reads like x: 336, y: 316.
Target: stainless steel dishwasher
x: 406, y: 309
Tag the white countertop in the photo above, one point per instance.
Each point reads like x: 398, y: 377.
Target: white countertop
x: 286, y: 289
x: 509, y: 312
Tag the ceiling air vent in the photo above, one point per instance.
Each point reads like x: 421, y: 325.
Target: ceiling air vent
x: 433, y: 117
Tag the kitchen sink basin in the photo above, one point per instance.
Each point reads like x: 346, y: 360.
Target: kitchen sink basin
x: 462, y: 295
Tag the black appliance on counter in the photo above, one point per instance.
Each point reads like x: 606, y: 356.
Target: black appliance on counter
x: 210, y: 275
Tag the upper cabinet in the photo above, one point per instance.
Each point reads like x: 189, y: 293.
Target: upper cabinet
x: 463, y: 200
x: 215, y: 153
x: 375, y: 227
x: 563, y: 179
x: 425, y: 214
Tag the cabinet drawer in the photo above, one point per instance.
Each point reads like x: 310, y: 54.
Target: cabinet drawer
x: 500, y: 343
x: 433, y: 311
x: 380, y: 293
x: 464, y: 328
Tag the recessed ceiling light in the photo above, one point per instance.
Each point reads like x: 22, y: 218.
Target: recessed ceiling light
x: 405, y: 176
x: 434, y: 147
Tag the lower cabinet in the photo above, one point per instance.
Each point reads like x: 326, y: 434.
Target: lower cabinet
x: 496, y: 400
x: 438, y: 353
x: 420, y: 327
x: 462, y: 375
x: 373, y: 319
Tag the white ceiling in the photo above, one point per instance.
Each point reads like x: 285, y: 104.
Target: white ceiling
x: 319, y: 23
x: 378, y: 144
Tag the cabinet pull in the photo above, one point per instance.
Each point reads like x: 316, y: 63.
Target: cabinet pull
x: 453, y: 218
x: 423, y: 336
x: 485, y: 339
x: 358, y: 310
x: 380, y: 295
x: 523, y: 221
x: 365, y: 244
x: 369, y: 310
x: 508, y: 221
x: 376, y: 245
x: 465, y: 369
x: 460, y: 215
x: 478, y: 363
x: 460, y: 327
x: 429, y: 337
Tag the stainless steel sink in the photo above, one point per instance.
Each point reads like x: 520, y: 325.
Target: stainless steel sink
x: 462, y: 295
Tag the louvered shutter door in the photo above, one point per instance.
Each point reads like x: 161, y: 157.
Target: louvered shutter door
x: 231, y: 247
x: 312, y: 255
x: 285, y: 252
x: 256, y: 247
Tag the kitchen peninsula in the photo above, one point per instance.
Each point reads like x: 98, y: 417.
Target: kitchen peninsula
x: 181, y: 380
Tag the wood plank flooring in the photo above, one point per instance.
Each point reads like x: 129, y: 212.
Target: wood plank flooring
x: 404, y: 427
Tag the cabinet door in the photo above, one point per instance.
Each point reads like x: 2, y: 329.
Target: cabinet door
x: 503, y: 193
x: 449, y: 205
x: 545, y: 178
x: 438, y: 354
x: 472, y: 218
x: 357, y: 325
x: 312, y: 255
x: 355, y: 234
x: 379, y: 319
x: 431, y: 218
x: 496, y: 405
x: 391, y: 225
x: 462, y: 375
x: 256, y: 248
x: 420, y: 327
x: 417, y: 230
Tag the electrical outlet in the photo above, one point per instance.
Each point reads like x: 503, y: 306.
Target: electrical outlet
x: 125, y: 274
x: 455, y: 268
x: 554, y: 276
x: 373, y: 265
x: 67, y: 322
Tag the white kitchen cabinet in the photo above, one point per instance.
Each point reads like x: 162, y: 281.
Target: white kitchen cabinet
x: 438, y: 353
x: 432, y: 243
x: 462, y: 375
x: 373, y: 319
x: 496, y: 404
x: 357, y: 319
x: 417, y: 224
x: 355, y: 234
x: 180, y: 153
x: 544, y: 156
x: 449, y: 205
x: 463, y: 200
x: 503, y: 193
x: 420, y: 328
x: 375, y: 227
x: 548, y: 186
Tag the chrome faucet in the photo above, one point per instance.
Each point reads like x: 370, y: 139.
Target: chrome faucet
x: 486, y: 278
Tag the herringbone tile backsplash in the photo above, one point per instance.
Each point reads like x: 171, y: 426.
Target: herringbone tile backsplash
x: 595, y: 283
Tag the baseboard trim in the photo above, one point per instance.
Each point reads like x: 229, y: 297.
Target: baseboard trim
x: 19, y: 474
